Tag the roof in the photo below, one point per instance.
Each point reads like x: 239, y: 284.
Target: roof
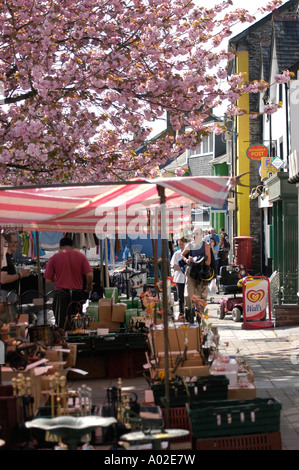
x: 286, y: 32
x: 244, y: 34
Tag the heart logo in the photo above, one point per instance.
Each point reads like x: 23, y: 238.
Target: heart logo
x: 255, y: 295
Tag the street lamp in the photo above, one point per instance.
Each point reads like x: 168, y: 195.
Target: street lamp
x: 126, y: 275
x: 260, y: 190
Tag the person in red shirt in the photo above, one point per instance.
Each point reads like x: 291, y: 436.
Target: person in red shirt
x: 67, y: 269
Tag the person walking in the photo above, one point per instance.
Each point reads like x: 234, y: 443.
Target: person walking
x: 215, y: 249
x: 224, y: 246
x: 214, y: 234
x: 179, y: 276
x: 67, y: 269
x: 10, y: 278
x: 193, y: 252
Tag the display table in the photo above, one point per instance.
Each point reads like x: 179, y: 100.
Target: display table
x: 112, y: 355
x: 116, y: 341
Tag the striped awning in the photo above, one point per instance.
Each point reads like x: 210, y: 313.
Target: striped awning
x: 120, y: 207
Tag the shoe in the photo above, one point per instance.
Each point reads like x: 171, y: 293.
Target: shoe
x: 181, y: 316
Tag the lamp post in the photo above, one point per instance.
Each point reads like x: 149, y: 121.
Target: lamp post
x: 126, y: 274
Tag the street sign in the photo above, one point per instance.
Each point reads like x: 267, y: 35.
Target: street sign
x: 256, y: 302
x: 256, y: 152
x: 277, y: 162
x: 267, y: 167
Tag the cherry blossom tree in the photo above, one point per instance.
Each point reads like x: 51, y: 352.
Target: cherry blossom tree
x: 82, y: 82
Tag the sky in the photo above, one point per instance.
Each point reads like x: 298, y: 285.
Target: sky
x: 252, y: 6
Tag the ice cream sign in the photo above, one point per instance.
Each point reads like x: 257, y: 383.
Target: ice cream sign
x: 255, y: 298
x: 256, y: 303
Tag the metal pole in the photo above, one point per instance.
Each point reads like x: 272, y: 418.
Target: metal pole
x: 41, y: 289
x: 161, y: 192
x: 106, y: 262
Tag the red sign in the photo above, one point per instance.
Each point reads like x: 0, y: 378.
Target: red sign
x: 256, y: 152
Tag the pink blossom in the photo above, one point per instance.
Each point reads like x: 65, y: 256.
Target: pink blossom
x: 270, y: 108
x: 283, y: 77
x: 83, y: 80
x: 179, y: 171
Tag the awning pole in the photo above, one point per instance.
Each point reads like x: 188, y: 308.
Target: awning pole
x: 161, y: 192
x: 106, y: 262
x: 39, y: 278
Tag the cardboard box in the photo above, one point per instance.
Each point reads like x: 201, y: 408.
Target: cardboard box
x: 105, y: 313
x: 54, y: 355
x: 72, y: 356
x: 193, y: 359
x: 148, y: 397
x: 243, y: 367
x: 194, y: 371
x: 118, y: 313
x: 33, y: 371
x: 105, y: 301
x: 56, y: 366
x: 177, y: 337
x: 237, y: 393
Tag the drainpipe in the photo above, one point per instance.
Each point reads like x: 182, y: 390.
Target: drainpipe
x: 270, y: 133
x: 287, y: 120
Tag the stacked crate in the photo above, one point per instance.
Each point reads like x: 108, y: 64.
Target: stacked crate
x: 237, y: 424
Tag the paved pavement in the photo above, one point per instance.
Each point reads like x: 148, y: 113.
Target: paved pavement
x: 273, y: 356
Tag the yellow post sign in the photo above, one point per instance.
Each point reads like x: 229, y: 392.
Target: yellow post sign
x: 267, y: 167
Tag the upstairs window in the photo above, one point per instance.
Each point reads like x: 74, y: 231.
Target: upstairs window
x: 206, y: 147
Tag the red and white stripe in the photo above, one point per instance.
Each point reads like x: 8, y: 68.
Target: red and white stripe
x: 82, y: 208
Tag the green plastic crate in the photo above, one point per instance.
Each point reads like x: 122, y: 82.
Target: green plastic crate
x: 129, y: 313
x: 210, y: 387
x: 93, y: 311
x: 234, y: 417
x: 111, y: 291
x: 204, y: 388
x: 177, y: 394
x: 135, y: 303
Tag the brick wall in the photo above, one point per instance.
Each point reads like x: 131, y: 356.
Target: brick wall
x: 286, y: 315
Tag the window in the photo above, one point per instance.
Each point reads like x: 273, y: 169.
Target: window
x: 206, y: 146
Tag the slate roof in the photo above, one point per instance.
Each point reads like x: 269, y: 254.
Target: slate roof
x: 243, y: 36
x: 286, y: 32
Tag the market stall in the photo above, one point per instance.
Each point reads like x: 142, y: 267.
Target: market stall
x: 157, y: 206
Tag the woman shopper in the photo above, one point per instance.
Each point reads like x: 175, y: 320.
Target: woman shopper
x: 194, y: 251
x: 179, y: 276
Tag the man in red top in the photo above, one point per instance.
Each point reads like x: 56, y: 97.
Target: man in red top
x: 67, y: 269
